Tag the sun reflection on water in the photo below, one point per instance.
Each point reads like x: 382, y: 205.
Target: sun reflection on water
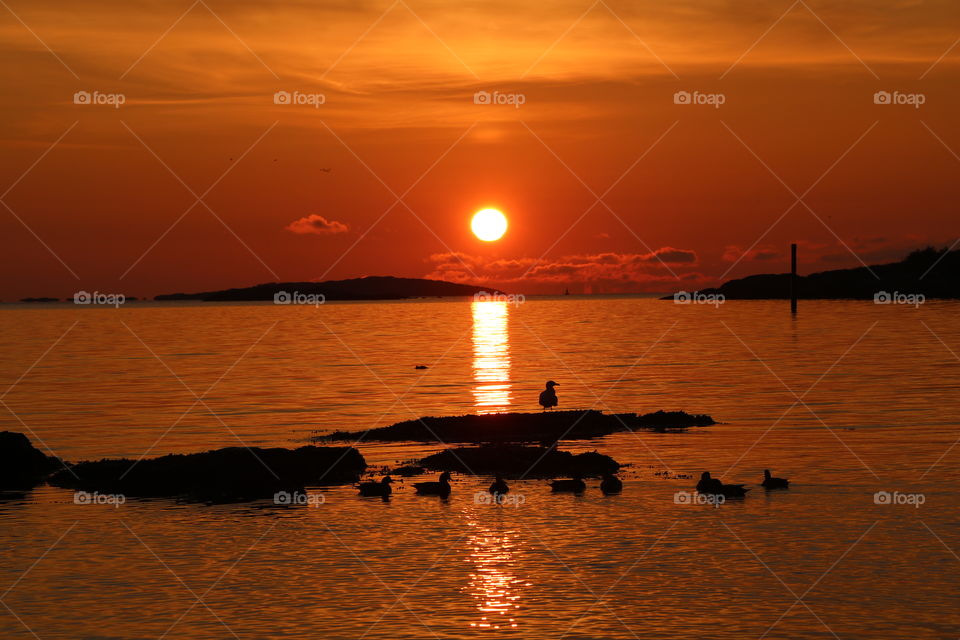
x: 493, y: 581
x: 491, y: 356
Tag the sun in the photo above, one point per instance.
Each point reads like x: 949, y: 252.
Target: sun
x: 489, y: 224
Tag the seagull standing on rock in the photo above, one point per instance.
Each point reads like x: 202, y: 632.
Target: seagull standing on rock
x: 548, y: 397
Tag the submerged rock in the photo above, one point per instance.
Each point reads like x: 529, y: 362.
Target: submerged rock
x: 22, y: 466
x: 513, y: 461
x: 544, y: 427
x: 233, y: 474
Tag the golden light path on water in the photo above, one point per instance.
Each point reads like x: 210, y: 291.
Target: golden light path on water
x: 491, y: 356
x: 493, y: 580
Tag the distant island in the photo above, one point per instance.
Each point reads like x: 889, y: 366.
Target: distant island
x: 367, y: 288
x: 934, y: 273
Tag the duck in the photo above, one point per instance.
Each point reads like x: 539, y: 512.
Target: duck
x: 440, y: 488
x: 499, y: 487
x: 769, y: 482
x: 382, y: 488
x: 548, y: 397
x: 611, y: 484
x: 576, y: 485
x: 712, y: 486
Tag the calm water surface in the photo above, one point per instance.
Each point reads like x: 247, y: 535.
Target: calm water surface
x: 848, y: 399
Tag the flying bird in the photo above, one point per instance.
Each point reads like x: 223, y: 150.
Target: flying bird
x: 548, y: 397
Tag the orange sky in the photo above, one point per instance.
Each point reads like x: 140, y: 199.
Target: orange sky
x: 303, y: 192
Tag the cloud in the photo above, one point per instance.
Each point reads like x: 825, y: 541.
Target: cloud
x: 734, y: 253
x: 317, y: 224
x: 615, y: 272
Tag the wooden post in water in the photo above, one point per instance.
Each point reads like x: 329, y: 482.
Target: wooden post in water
x: 793, y: 278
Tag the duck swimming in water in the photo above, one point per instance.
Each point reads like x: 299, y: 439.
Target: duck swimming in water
x: 499, y: 487
x: 381, y: 489
x: 611, y: 484
x: 548, y: 397
x: 576, y: 485
x: 770, y: 482
x: 441, y: 488
x: 712, y: 486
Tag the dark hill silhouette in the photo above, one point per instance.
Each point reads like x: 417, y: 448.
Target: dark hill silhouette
x: 367, y: 288
x: 906, y: 277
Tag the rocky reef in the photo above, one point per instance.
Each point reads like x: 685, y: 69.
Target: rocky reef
x: 543, y: 427
x: 514, y: 461
x: 233, y: 474
x: 22, y: 466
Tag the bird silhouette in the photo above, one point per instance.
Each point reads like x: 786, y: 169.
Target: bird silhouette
x: 576, y: 485
x: 548, y: 397
x: 441, y: 488
x: 381, y: 489
x: 611, y: 484
x: 499, y: 487
x: 712, y: 486
x: 770, y: 482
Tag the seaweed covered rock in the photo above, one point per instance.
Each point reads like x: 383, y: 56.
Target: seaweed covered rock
x: 514, y: 461
x: 22, y: 466
x: 673, y: 420
x: 233, y: 474
x: 546, y: 427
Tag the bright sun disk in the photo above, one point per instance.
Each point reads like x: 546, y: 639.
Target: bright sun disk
x: 489, y: 224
